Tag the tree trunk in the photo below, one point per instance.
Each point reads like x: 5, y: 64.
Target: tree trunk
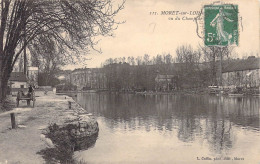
x: 214, y: 72
x: 1, y: 92
x: 3, y: 84
x: 1, y: 89
x: 5, y: 72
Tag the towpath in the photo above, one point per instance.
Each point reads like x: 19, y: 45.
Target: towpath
x: 21, y: 145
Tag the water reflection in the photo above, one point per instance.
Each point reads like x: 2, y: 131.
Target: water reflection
x: 209, y: 121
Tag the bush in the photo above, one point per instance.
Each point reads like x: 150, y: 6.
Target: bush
x: 64, y: 146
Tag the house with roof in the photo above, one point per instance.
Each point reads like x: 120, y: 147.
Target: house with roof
x: 242, y: 73
x: 18, y: 80
x: 165, y: 82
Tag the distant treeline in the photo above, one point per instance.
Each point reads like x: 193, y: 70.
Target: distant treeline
x: 190, y: 69
x: 142, y: 60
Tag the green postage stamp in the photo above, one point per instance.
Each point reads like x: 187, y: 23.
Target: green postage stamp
x: 221, y: 25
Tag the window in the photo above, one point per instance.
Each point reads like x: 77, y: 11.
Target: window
x: 22, y: 86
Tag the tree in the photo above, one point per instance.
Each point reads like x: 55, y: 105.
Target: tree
x: 168, y: 59
x: 48, y: 58
x: 211, y: 54
x: 185, y: 54
x: 71, y: 25
x: 146, y: 59
x: 190, y: 70
x: 158, y: 60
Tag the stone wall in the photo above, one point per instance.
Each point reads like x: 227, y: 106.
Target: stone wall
x: 81, y: 127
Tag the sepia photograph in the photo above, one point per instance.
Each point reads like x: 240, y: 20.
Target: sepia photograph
x: 129, y: 82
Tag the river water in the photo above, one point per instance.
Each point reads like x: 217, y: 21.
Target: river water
x: 173, y: 129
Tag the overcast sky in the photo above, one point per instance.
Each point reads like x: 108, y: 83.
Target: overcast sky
x: 143, y: 33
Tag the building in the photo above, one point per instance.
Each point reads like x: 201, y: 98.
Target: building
x: 242, y: 73
x: 32, y: 75
x: 18, y: 80
x: 87, y: 78
x: 165, y: 82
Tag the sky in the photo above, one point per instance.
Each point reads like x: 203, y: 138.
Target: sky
x: 145, y: 33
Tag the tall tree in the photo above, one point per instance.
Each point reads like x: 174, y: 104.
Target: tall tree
x: 211, y: 55
x: 190, y: 69
x: 70, y: 24
x: 48, y: 58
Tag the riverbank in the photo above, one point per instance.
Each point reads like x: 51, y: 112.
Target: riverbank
x: 21, y: 145
x: 184, y: 91
x: 191, y: 91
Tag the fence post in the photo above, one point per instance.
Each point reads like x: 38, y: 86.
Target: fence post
x: 69, y: 104
x: 13, y: 120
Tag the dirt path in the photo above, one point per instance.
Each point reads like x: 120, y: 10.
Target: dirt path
x: 21, y: 145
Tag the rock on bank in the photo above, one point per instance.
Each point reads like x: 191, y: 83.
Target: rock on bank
x: 76, y: 123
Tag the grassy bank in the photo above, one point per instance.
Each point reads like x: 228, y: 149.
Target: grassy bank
x: 62, y: 145
x: 63, y: 148
x: 7, y: 104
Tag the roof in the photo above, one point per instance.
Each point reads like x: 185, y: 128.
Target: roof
x: 18, y: 76
x: 241, y: 65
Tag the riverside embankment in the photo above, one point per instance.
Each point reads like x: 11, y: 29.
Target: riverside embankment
x: 21, y: 145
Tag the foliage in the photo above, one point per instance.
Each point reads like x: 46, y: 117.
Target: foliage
x: 139, y: 73
x: 66, y: 87
x: 7, y: 105
x: 210, y: 55
x: 65, y: 144
x: 191, y: 68
x: 48, y: 79
x: 64, y: 147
